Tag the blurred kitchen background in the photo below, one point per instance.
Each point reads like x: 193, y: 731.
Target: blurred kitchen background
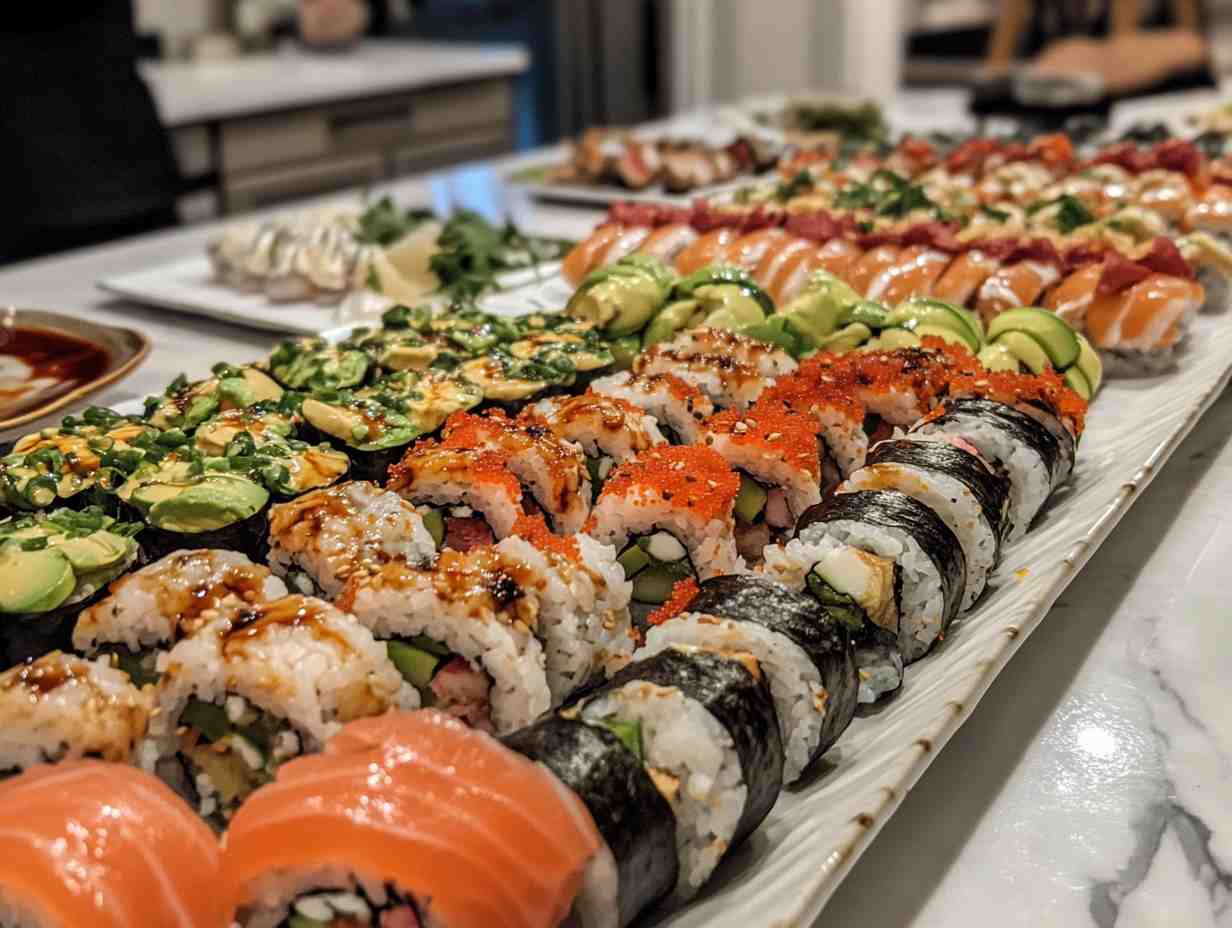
x: 248, y: 103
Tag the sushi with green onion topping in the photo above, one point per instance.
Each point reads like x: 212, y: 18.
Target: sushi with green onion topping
x: 185, y: 405
x: 315, y: 364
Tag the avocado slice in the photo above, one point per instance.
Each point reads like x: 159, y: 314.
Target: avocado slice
x: 847, y: 338
x: 434, y: 522
x: 999, y: 358
x: 1053, y: 333
x: 624, y: 350
x: 671, y: 319
x: 209, y: 719
x: 728, y: 306
x: 781, y: 332
x: 622, y: 298
x: 889, y: 339
x: 1027, y: 350
x: 633, y: 559
x: 96, y: 551
x: 866, y: 312
x: 943, y: 333
x: 916, y: 312
x: 750, y: 500
x: 1077, y: 381
x: 214, y: 502
x: 628, y: 731
x: 653, y: 585
x: 1090, y: 365
x: 716, y: 275
x: 415, y: 664
x: 34, y: 581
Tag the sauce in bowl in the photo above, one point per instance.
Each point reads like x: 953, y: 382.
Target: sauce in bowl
x: 37, y: 365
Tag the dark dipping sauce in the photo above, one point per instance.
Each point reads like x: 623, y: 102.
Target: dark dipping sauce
x: 66, y: 359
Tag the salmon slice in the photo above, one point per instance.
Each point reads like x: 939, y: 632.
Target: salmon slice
x: 708, y: 249
x: 792, y: 274
x: 629, y: 241
x: 748, y: 250
x: 1071, y: 298
x: 582, y: 257
x: 1147, y: 316
x: 866, y: 269
x: 776, y: 256
x: 1018, y: 284
x: 964, y: 276
x: 106, y: 845
x: 1213, y: 213
x: 477, y: 834
x: 838, y: 256
x: 913, y: 274
x: 666, y: 242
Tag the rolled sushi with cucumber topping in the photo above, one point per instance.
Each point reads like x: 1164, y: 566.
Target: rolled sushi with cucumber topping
x: 247, y: 693
x: 51, y: 567
x: 670, y: 514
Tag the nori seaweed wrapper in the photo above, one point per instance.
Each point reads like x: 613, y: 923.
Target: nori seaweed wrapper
x: 635, y: 820
x: 892, y: 509
x: 740, y: 702
x: 1015, y: 424
x: 990, y: 490
x: 249, y: 537
x: 799, y: 617
x: 30, y: 636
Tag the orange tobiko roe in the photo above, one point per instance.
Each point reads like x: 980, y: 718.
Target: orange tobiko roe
x: 474, y: 464
x: 817, y: 389
x: 1047, y: 389
x: 683, y: 593
x: 687, y: 476
x: 534, y: 528
x: 495, y: 431
x: 772, y: 427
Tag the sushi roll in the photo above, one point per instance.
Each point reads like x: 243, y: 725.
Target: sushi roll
x: 837, y: 415
x: 186, y: 405
x: 670, y: 514
x: 186, y: 501
x: 709, y: 736
x: 732, y: 370
x: 320, y: 540
x: 414, y: 819
x: 61, y: 466
x: 61, y: 707
x: 679, y: 407
x: 51, y: 567
x: 246, y: 693
x: 314, y: 364
x: 553, y: 470
x: 1017, y: 446
x: 777, y: 456
x: 462, y: 631
x: 604, y: 767
x: 466, y: 498
x: 146, y: 612
x: 956, y: 484
x: 805, y: 654
x: 105, y: 845
x: 883, y: 561
x: 608, y: 429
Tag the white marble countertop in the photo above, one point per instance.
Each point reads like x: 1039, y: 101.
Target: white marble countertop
x: 1086, y: 788
x: 187, y: 93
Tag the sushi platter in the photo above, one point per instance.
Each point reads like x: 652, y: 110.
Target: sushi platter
x: 679, y: 566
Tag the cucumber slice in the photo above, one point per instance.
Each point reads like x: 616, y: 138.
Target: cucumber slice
x: 999, y: 358
x: 1089, y: 363
x: 207, y: 718
x: 841, y: 607
x: 1052, y: 333
x: 890, y: 339
x: 632, y: 559
x: 943, y: 333
x: 431, y: 645
x: 629, y: 733
x: 1077, y: 381
x: 654, y: 584
x: 416, y: 666
x: 751, y: 499
x: 1027, y: 350
x: 624, y: 350
x: 303, y: 921
x: 434, y: 522
x: 132, y: 665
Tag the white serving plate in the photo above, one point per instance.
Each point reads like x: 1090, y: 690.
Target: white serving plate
x: 189, y: 286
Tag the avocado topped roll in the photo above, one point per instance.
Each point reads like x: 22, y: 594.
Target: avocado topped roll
x: 717, y: 297
x: 148, y: 611
x: 461, y: 629
x: 605, y: 769
x: 467, y: 498
x: 186, y: 405
x: 805, y: 653
x: 62, y: 707
x: 706, y: 727
x: 321, y: 539
x: 778, y: 457
x: 248, y: 692
x: 187, y: 501
x: 886, y: 565
x: 1014, y: 444
x: 669, y: 514
x: 956, y: 484
x: 679, y: 407
x: 552, y: 470
x: 538, y: 362
x: 314, y: 364
x: 622, y: 298
x: 730, y: 369
x: 608, y: 429
x: 50, y: 568
x: 63, y: 465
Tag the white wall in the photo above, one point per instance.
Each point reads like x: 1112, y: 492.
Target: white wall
x: 179, y: 20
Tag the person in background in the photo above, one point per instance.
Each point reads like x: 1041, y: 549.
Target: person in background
x: 85, y: 156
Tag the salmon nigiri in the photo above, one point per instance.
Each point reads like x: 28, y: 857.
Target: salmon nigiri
x: 708, y: 249
x: 1017, y: 284
x: 668, y: 241
x: 867, y: 268
x: 964, y: 276
x: 627, y: 242
x: 839, y: 256
x: 105, y: 845
x: 1149, y: 316
x: 415, y: 819
x: 911, y: 275
x: 777, y: 255
x: 791, y: 273
x: 584, y: 256
x: 1071, y: 298
x: 748, y: 250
